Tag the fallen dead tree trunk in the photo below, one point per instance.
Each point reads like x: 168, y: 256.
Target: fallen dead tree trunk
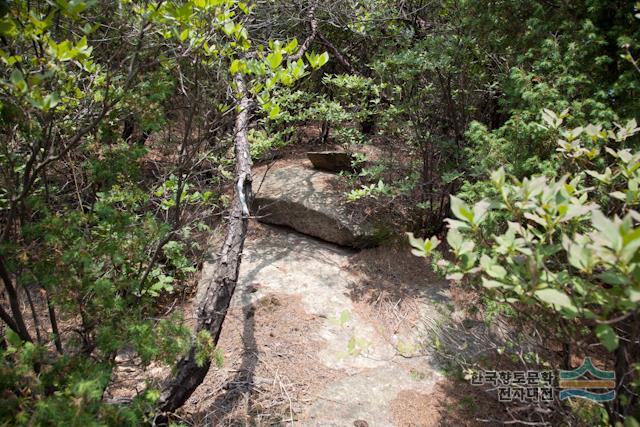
x: 213, y: 307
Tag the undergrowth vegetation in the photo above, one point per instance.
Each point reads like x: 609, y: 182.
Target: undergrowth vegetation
x: 508, y: 126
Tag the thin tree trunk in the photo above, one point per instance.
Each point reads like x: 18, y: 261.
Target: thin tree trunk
x: 54, y: 325
x: 18, y: 321
x: 324, y: 132
x: 34, y: 314
x: 213, y: 307
x: 6, y: 317
x: 626, y: 355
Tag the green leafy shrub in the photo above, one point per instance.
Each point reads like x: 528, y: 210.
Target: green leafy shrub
x: 262, y: 143
x: 569, y: 247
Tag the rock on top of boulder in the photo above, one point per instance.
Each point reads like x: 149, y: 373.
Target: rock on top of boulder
x: 333, y: 161
x: 307, y: 201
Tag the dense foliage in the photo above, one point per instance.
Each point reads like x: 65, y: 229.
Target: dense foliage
x: 116, y: 120
x: 545, y: 222
x: 97, y: 217
x: 569, y: 248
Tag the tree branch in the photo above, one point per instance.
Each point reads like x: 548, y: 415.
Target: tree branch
x: 339, y: 56
x: 212, y: 309
x: 313, y: 23
x: 18, y: 321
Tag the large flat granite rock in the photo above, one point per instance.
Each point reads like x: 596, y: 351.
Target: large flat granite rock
x: 307, y: 200
x: 346, y: 385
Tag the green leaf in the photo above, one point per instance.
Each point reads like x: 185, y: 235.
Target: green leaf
x: 480, y: 211
x: 228, y: 28
x: 607, y: 337
x: 7, y: 28
x: 468, y: 258
x: 608, y: 229
x: 493, y: 284
x: 51, y: 100
x: 299, y: 69
x: 498, y: 177
x: 555, y: 297
x: 493, y: 269
x: 237, y: 66
x: 274, y: 60
x: 323, y: 59
x: 291, y: 46
x: 574, y: 211
x: 417, y: 244
x: 431, y: 244
x: 613, y: 278
x: 274, y: 112
x: 244, y: 8
x: 630, y: 421
x: 460, y: 209
x: 456, y: 277
x: 454, y: 238
x: 551, y: 118
x: 16, y: 76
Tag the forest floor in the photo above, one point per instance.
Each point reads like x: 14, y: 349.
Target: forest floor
x: 323, y: 335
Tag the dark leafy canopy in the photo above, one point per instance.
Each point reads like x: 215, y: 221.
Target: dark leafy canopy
x: 546, y: 221
x: 77, y: 220
x: 116, y: 119
x: 90, y: 236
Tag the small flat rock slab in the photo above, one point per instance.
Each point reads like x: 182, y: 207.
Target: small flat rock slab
x: 333, y: 161
x: 307, y: 200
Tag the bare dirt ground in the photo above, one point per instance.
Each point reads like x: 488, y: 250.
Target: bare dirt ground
x: 320, y: 335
